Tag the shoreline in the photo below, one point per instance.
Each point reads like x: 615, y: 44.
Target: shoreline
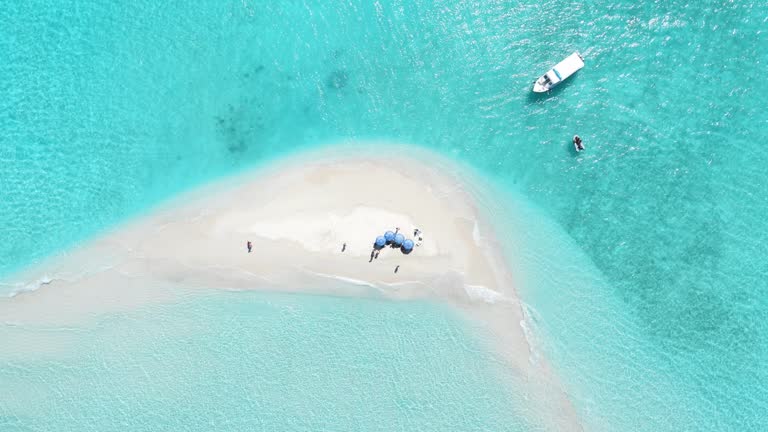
x: 298, y: 211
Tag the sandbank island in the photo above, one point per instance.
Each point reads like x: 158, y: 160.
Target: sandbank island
x: 298, y: 214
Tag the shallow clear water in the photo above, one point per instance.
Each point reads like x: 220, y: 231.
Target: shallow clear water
x: 247, y: 361
x: 107, y: 110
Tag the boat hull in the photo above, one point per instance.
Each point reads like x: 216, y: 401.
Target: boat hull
x: 569, y: 66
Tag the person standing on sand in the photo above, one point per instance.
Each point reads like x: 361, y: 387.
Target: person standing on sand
x: 249, y: 245
x: 397, y: 268
x: 343, y: 247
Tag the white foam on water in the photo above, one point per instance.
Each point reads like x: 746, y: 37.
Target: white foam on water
x: 483, y: 293
x: 344, y: 279
x: 22, y: 287
x: 476, y: 234
x: 30, y: 286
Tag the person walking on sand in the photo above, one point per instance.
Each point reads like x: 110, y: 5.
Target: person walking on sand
x: 397, y: 268
x: 249, y: 246
x: 343, y: 247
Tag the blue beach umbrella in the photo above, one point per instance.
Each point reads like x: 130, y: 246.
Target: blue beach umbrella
x: 399, y: 239
x: 389, y: 236
x: 380, y: 241
x: 408, y: 245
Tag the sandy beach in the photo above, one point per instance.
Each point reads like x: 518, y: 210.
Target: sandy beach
x: 299, y: 213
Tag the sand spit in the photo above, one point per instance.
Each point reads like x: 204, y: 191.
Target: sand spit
x: 298, y: 214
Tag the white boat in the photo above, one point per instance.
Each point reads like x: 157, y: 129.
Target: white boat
x: 559, y: 73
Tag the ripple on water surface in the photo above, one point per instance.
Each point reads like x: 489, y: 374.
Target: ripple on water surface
x: 104, y: 114
x: 239, y: 361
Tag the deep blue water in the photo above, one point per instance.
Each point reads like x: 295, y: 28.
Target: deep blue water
x: 108, y: 109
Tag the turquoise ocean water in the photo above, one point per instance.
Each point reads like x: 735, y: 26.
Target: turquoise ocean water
x: 641, y: 260
x: 245, y: 361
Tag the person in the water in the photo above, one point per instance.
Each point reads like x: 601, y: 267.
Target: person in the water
x: 577, y: 143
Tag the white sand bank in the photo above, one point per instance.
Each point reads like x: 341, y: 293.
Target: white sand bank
x: 298, y: 214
